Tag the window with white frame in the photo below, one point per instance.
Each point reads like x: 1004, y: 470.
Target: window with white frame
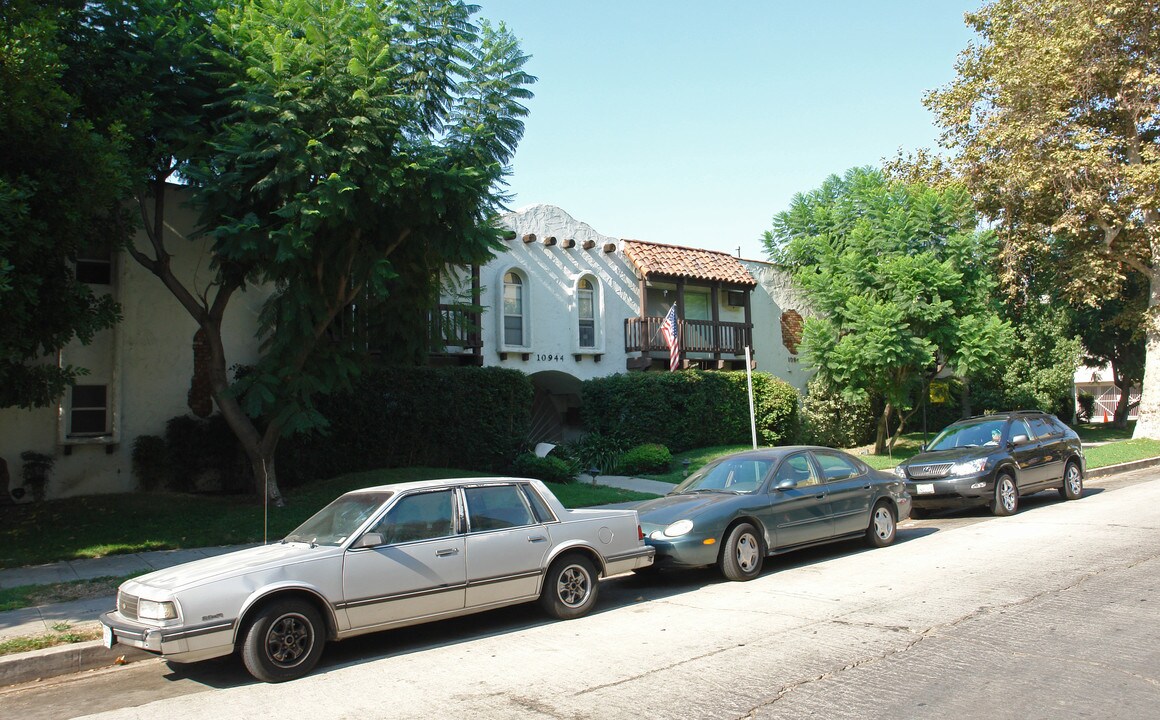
x: 586, y: 301
x: 514, y: 310
x: 89, y: 411
x: 94, y: 264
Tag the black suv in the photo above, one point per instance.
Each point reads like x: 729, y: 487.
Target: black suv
x: 993, y: 460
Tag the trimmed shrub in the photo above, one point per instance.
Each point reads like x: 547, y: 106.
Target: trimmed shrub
x: 464, y: 417
x: 830, y: 420
x: 548, y: 468
x: 151, y: 462
x: 35, y: 472
x: 650, y: 458
x: 1087, y: 406
x: 204, y: 456
x: 690, y: 409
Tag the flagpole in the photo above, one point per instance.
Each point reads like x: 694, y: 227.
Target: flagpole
x: 749, y: 383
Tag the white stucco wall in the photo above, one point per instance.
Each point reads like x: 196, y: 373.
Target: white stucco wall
x: 773, y: 296
x: 552, y: 273
x: 150, y: 365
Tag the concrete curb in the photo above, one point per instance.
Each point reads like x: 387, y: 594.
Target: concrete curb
x: 63, y: 660
x: 1122, y: 467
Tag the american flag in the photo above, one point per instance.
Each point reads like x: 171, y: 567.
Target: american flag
x: 672, y: 337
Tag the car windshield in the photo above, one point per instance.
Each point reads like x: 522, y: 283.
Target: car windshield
x: 333, y: 524
x: 969, y: 434
x: 738, y: 475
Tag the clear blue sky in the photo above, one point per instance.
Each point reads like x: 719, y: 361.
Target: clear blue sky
x: 694, y: 123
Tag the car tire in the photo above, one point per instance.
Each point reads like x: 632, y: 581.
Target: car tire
x: 1006, y: 500
x: 284, y: 641
x: 743, y: 554
x: 1072, y: 482
x: 570, y: 588
x: 883, y: 526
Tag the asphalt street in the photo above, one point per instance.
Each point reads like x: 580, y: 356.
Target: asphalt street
x: 1051, y: 613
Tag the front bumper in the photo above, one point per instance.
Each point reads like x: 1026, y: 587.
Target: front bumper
x: 685, y: 551
x: 959, y: 491
x: 176, y: 643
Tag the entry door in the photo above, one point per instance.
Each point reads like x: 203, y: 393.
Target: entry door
x: 418, y: 571
x: 800, y: 514
x: 506, y: 545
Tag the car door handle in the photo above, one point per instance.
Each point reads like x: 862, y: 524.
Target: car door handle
x: 819, y: 496
x: 446, y: 552
x: 537, y: 539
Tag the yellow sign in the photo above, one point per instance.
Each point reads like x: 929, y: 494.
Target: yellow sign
x: 940, y: 393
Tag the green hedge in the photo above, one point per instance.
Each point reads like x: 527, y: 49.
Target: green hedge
x: 690, y: 409
x: 470, y: 418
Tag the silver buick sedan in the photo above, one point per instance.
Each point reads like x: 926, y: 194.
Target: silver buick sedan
x: 375, y: 559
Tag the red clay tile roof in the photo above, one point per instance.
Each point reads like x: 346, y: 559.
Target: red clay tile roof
x: 653, y: 259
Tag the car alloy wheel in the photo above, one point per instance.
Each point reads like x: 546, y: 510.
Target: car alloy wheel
x: 284, y: 642
x: 1006, y: 496
x: 573, y: 586
x: 570, y: 587
x: 1072, y: 482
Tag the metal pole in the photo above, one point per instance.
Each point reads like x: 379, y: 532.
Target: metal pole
x: 749, y: 382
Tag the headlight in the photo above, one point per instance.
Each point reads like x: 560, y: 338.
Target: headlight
x: 969, y: 467
x: 678, y: 528
x: 153, y: 610
x: 899, y: 472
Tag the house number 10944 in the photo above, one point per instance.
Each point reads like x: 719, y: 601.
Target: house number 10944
x: 549, y: 358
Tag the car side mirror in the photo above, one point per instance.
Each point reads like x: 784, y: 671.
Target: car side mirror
x: 371, y: 539
x: 1019, y: 440
x: 787, y: 484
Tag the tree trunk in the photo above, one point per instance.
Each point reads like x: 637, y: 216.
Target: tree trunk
x: 1148, y: 414
x: 266, y: 478
x: 1124, y: 404
x: 883, y: 430
x: 259, y: 449
x: 965, y: 399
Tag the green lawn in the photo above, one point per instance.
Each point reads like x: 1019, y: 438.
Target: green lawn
x: 101, y: 525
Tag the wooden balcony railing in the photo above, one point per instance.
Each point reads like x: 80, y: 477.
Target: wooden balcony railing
x: 697, y: 336
x: 455, y: 326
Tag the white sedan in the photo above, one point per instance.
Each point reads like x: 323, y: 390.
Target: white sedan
x: 379, y: 558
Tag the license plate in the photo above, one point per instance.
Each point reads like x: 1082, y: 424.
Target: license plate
x: 925, y: 488
x: 107, y: 637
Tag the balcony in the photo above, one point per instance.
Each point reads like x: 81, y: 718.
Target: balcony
x: 454, y: 332
x: 643, y: 335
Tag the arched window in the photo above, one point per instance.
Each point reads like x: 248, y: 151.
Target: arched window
x: 586, y: 307
x: 514, y: 307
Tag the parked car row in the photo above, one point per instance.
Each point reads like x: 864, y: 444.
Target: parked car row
x: 397, y: 555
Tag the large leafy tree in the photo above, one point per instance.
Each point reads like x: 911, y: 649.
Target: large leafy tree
x: 346, y: 134
x: 1113, y: 335
x: 902, y: 283
x: 1053, y: 118
x: 61, y: 178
